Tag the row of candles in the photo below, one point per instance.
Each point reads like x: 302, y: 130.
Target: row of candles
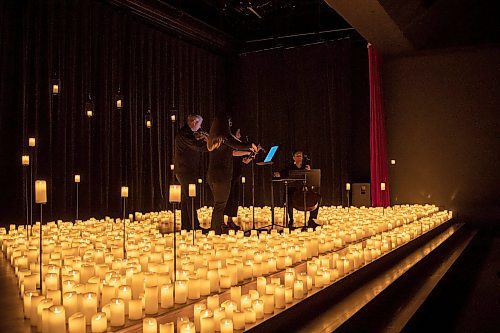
x: 88, y: 270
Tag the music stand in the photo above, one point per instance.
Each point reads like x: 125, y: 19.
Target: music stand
x: 310, y: 178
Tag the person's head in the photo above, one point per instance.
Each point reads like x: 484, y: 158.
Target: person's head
x: 194, y: 122
x: 298, y: 156
x: 219, y: 130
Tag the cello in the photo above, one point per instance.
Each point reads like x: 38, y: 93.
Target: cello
x: 306, y: 198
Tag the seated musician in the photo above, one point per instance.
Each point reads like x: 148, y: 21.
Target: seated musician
x: 298, y: 164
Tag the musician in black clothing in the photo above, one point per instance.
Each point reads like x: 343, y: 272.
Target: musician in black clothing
x: 189, y: 144
x: 221, y: 145
x: 298, y: 164
x: 232, y: 204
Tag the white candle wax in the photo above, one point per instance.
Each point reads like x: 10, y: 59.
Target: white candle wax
x: 77, y: 178
x: 382, y: 186
x: 89, y: 306
x: 219, y: 314
x: 117, y: 312
x: 226, y: 325
x: 40, y: 191
x: 192, y: 190
x: 31, y: 142
x: 124, y: 192
x: 76, y: 323
x: 167, y: 328
x: 135, y: 309
x: 25, y: 160
x: 167, y: 296
x: 258, y: 307
x: 213, y: 302
x: 125, y: 293
x: 151, y: 300
x: 27, y: 303
x: 188, y: 328
x: 149, y: 325
x: 99, y: 323
x: 279, y: 297
x: 197, y: 308
x: 175, y: 193
x: 243, y: 180
x: 347, y: 186
x: 207, y: 324
x: 57, y: 319
x: 238, y: 320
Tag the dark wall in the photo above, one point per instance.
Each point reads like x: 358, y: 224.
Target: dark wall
x: 443, y: 126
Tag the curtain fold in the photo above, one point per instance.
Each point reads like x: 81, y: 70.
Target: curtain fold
x: 378, y: 152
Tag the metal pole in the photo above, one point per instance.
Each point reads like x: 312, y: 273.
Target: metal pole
x: 192, y: 218
x: 41, y: 247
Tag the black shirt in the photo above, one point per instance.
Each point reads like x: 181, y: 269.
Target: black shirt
x: 220, y: 160
x: 187, y: 155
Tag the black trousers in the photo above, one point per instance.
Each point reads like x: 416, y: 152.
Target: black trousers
x: 186, y: 203
x: 312, y: 216
x: 220, y: 192
x: 233, y: 200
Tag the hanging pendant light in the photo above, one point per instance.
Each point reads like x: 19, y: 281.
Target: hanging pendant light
x: 148, y: 119
x: 119, y: 100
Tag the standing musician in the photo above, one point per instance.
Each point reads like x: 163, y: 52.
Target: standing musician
x: 239, y: 157
x: 298, y: 164
x: 189, y: 144
x: 220, y: 144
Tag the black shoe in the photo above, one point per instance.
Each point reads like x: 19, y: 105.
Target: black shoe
x: 224, y: 229
x: 312, y: 224
x: 204, y: 231
x: 233, y: 226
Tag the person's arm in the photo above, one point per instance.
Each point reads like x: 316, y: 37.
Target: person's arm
x: 236, y: 145
x: 238, y: 153
x: 188, y: 140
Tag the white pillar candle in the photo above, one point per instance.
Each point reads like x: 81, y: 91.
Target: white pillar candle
x: 77, y: 178
x: 42, y: 305
x: 31, y: 142
x: 250, y: 317
x: 382, y: 186
x: 197, y: 308
x: 167, y: 328
x: 27, y: 302
x: 99, y: 323
x: 70, y: 302
x: 243, y: 180
x: 204, y: 287
x: 213, y: 302
x: 167, y: 296
x: 230, y: 307
x: 193, y: 288
x: 238, y: 320
x: 188, y: 328
x: 89, y: 306
x: 25, y: 160
x: 268, y: 303
x: 213, y: 276
x: 236, y: 295
x: 45, y: 321
x: 135, y: 309
x: 57, y: 319
x: 117, y: 312
x: 30, y: 282
x: 124, y: 192
x: 125, y: 293
x: 180, y: 291
x: 55, y: 295
x: 149, y: 325
x: 40, y: 191
x: 226, y: 325
x: 174, y: 193
x: 207, y: 324
x: 151, y: 300
x: 192, y: 190
x: 35, y: 299
x: 261, y: 285
x: 288, y: 295
x: 246, y: 301
x: 107, y: 293
x: 76, y: 323
x: 219, y: 314
x: 279, y: 297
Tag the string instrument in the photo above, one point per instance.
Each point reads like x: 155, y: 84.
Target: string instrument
x: 312, y: 199
x: 201, y: 135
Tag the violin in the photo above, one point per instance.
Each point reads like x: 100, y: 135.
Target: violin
x: 201, y: 135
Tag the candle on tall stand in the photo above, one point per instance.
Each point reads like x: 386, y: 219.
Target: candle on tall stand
x: 124, y: 195
x: 348, y: 190
x: 25, y: 159
x: 192, y: 195
x: 32, y: 145
x: 173, y: 118
x: 41, y: 199
x: 174, y: 196
x: 382, y: 188
x: 200, y: 181
x: 243, y: 181
x: 77, y: 182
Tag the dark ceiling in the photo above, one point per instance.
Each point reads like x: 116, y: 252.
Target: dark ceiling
x: 396, y: 25
x: 256, y: 21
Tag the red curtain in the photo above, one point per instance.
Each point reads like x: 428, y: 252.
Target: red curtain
x: 378, y: 153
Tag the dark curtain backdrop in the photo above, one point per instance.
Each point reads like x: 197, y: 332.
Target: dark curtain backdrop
x: 95, y: 49
x: 299, y: 98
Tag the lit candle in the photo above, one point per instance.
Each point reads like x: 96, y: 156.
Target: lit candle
x: 197, y: 308
x: 298, y: 289
x: 167, y: 328
x: 124, y: 192
x: 279, y: 297
x: 117, y: 312
x: 268, y: 303
x: 35, y: 299
x: 180, y: 292
x: 213, y: 302
x: 238, y: 320
x: 77, y: 178
x: 382, y: 186
x: 135, y: 309
x: 57, y: 319
x: 89, y: 306
x: 188, y: 328
x: 250, y: 316
x: 347, y: 186
x: 172, y: 117
x: 236, y: 295
x: 226, y: 326
x: 119, y: 103
x: 148, y: 123
x: 31, y: 142
x: 99, y: 323
x: 89, y: 113
x: 175, y: 193
x: 40, y: 191
x: 42, y: 320
x: 243, y: 180
x: 27, y: 302
x: 172, y: 167
x: 149, y: 325
x: 207, y: 324
x: 167, y: 296
x: 55, y: 89
x: 151, y: 300
x: 192, y: 190
x: 76, y: 323
x: 125, y: 293
x: 219, y: 314
x: 258, y: 307
x: 200, y: 180
x: 25, y: 159
x: 246, y: 301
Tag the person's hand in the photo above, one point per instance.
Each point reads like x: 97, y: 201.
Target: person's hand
x: 254, y: 148
x: 308, y: 167
x: 276, y: 174
x: 246, y: 160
